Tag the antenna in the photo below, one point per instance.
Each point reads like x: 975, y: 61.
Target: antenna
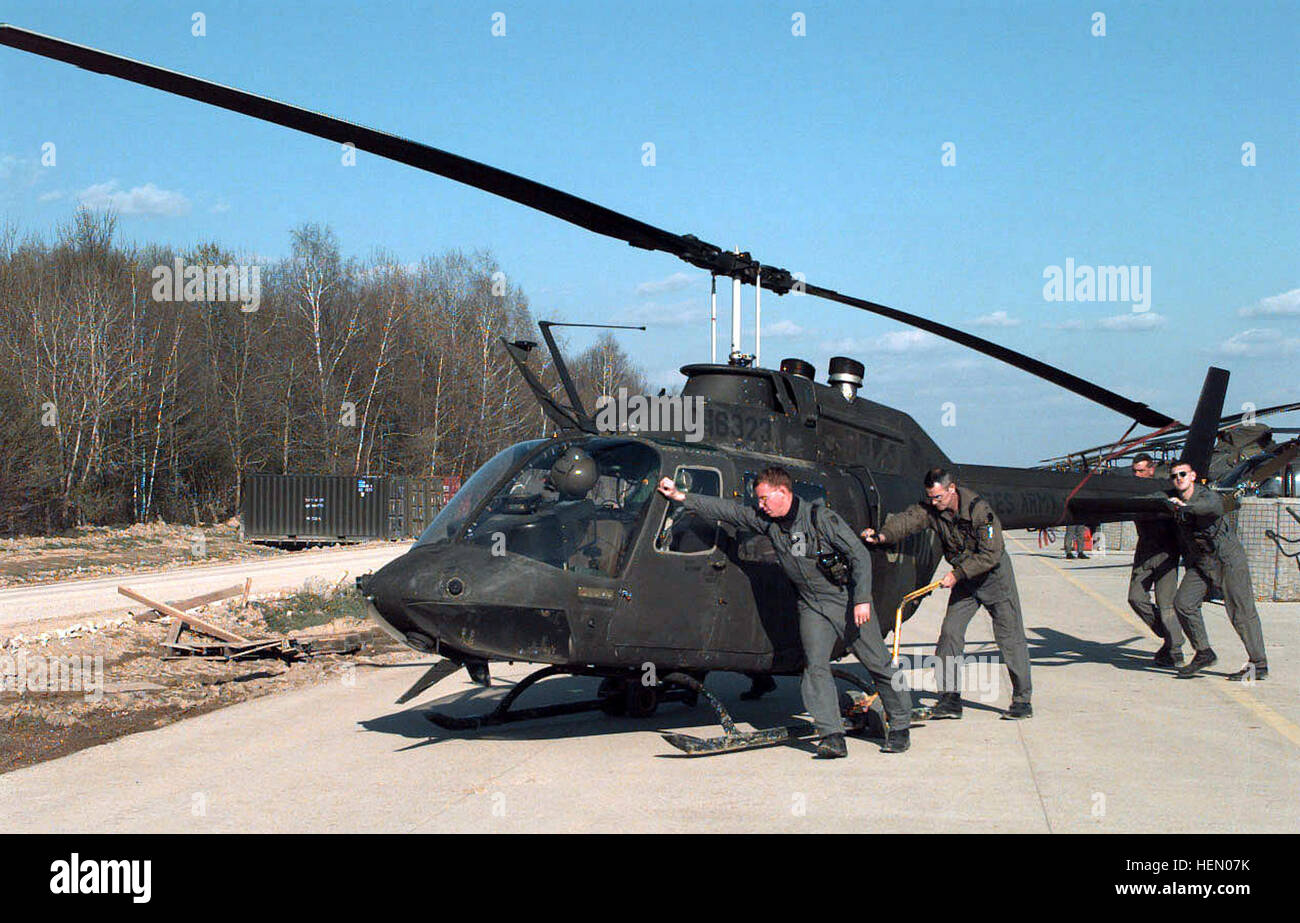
x: 713, y: 317
x: 735, y: 316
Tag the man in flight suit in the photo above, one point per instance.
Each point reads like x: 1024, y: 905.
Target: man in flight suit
x: 1214, y: 557
x: 1074, y: 541
x: 981, y: 575
x: 1155, y: 563
x: 825, y: 613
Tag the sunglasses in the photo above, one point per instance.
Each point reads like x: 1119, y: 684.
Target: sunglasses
x: 1179, y: 475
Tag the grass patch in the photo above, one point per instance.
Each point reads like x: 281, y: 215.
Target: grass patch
x: 310, y: 606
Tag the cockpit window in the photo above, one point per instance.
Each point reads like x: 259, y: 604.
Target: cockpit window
x: 446, y: 525
x: 574, y: 505
x: 680, y: 533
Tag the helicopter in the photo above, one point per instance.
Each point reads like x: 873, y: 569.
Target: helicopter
x: 559, y: 552
x: 1246, y: 456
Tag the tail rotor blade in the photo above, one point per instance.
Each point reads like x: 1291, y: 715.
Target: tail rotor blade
x: 1204, y: 428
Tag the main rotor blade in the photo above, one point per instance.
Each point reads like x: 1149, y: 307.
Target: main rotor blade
x: 532, y: 194
x: 1138, y: 411
x: 562, y: 205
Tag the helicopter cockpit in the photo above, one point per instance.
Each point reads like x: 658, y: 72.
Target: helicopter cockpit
x: 574, y: 505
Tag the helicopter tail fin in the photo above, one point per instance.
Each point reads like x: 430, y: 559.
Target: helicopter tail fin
x: 1204, y: 428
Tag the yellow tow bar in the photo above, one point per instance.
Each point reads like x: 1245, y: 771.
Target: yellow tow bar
x: 898, y: 615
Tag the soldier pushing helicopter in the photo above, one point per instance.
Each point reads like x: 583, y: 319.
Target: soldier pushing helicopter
x: 801, y: 533
x: 981, y: 575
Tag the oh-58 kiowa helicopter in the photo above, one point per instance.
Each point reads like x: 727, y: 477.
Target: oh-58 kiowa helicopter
x: 559, y: 551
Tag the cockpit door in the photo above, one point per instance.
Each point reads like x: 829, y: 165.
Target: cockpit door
x: 679, y: 574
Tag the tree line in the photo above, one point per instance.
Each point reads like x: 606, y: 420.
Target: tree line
x: 127, y: 394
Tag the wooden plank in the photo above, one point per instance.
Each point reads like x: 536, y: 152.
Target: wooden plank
x: 195, y: 623
x: 193, y: 602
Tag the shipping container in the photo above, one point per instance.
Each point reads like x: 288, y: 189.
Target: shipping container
x: 300, y: 509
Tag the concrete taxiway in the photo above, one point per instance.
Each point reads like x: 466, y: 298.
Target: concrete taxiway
x: 1116, y: 745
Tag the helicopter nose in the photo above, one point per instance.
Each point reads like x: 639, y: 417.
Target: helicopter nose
x: 465, y: 598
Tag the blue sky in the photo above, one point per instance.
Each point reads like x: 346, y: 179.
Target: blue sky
x: 821, y: 153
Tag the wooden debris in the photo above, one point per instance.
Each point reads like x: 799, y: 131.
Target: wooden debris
x: 228, y: 645
x: 194, y: 602
x: 194, y: 622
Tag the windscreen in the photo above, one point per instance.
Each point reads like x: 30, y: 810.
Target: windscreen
x: 591, y: 532
x: 451, y: 517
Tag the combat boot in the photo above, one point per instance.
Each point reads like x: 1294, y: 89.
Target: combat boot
x: 1201, y: 660
x: 1249, y: 673
x: 831, y: 747
x: 897, y: 741
x: 1167, y: 657
x: 948, y: 706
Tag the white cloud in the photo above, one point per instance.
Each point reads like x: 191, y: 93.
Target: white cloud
x: 1259, y: 343
x: 147, y: 200
x: 52, y: 196
x: 674, y: 314
x: 783, y: 328
x: 220, y: 208
x: 996, y: 319
x: 907, y: 341
x: 897, y: 341
x: 1072, y: 324
x: 674, y: 283
x: 1143, y: 320
x: 1286, y: 304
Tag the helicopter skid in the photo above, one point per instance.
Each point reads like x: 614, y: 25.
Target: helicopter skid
x: 858, y: 716
x: 741, y: 740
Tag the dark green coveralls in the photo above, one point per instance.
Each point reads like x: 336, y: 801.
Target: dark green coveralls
x: 972, y: 543
x: 1215, y: 557
x: 825, y: 612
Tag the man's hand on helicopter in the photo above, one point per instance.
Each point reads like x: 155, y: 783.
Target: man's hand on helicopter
x: 669, y: 489
x: 949, y: 580
x: 861, y: 614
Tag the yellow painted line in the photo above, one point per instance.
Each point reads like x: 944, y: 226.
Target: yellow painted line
x: 1234, y: 691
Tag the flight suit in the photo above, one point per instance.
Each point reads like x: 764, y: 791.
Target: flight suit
x: 972, y: 543
x: 1155, y: 562
x: 1074, y: 540
x: 825, y: 610
x: 1215, y: 557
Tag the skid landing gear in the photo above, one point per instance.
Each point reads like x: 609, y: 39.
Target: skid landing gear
x: 861, y: 711
x: 618, y: 695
